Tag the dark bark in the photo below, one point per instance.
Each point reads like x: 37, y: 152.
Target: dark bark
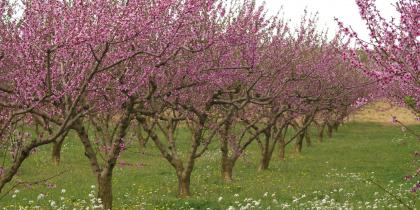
x: 335, y: 126
x: 104, y: 175
x: 89, y: 151
x: 329, y: 131
x: 227, y: 169
x: 105, y: 189
x: 282, y: 149
x: 183, y: 174
x: 308, y: 138
x: 141, y: 139
x: 11, y: 172
x: 302, y: 132
x: 266, y: 152
x: 321, y: 129
x: 184, y: 181
x: 265, y: 162
x: 184, y: 178
x: 299, y: 142
x: 56, y: 150
x: 21, y: 157
x: 227, y: 163
x: 142, y: 144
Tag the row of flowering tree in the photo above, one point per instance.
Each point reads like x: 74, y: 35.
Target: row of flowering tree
x: 222, y: 72
x: 391, y: 54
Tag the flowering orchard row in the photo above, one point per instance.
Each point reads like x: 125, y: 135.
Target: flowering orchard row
x: 226, y: 71
x: 392, y: 54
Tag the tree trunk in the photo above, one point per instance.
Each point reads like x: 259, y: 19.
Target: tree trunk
x: 56, y: 152
x: 330, y: 130
x: 227, y: 169
x: 299, y: 143
x: 265, y: 161
x: 184, y: 184
x: 142, y: 140
x: 321, y: 129
x: 335, y: 126
x: 105, y: 190
x: 142, y: 143
x: 24, y: 153
x: 282, y: 149
x: 308, y: 138
x: 226, y: 162
x: 11, y: 172
x: 104, y: 176
x: 265, y: 153
x: 89, y: 151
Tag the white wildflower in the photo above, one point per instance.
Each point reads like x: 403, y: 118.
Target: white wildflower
x: 257, y: 203
x: 40, y: 196
x: 52, y: 203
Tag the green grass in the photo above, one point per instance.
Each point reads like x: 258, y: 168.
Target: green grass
x: 365, y: 149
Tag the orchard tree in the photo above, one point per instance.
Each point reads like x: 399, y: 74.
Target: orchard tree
x: 298, y: 76
x: 198, y: 80
x: 66, y: 60
x: 157, y: 39
x: 392, y: 53
x: 27, y: 93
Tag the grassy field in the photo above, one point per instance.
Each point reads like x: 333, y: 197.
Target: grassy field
x: 382, y: 112
x: 328, y: 175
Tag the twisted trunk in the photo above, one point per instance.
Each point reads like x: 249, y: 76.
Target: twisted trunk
x: 329, y: 130
x: 335, y: 126
x: 105, y: 189
x: 22, y: 156
x: 227, y: 168
x: 227, y: 171
x: 141, y: 139
x: 308, y: 138
x: 321, y: 129
x: 265, y: 161
x: 11, y: 172
x: 103, y: 178
x: 184, y: 180
x: 299, y: 142
x: 267, y: 152
x: 282, y: 149
x: 56, y: 151
x: 227, y: 163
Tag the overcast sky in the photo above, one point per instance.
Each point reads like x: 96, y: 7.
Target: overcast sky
x: 346, y: 10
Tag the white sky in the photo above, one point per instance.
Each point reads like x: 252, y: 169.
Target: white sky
x: 345, y: 10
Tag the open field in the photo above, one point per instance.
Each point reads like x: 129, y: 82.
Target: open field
x: 329, y: 174
x: 382, y: 112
